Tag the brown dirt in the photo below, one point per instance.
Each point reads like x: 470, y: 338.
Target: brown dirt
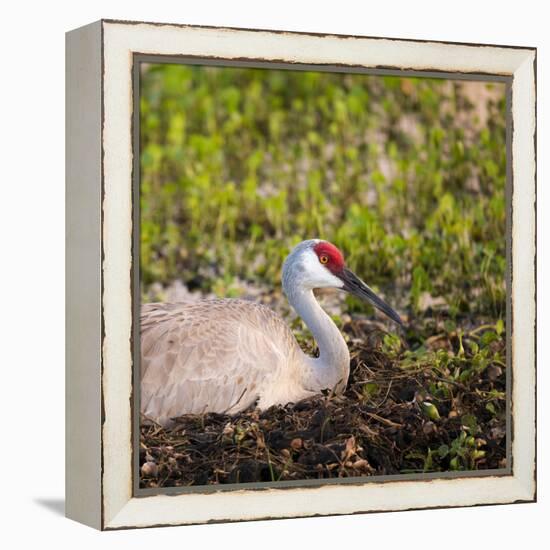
x: 381, y: 425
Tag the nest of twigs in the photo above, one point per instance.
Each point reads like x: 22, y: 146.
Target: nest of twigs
x: 395, y: 416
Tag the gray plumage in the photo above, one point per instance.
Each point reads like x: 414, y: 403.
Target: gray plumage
x: 212, y: 355
x: 226, y: 355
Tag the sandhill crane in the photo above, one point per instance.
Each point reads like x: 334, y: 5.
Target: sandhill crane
x: 225, y: 355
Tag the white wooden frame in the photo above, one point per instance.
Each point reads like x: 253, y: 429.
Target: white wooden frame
x: 99, y: 268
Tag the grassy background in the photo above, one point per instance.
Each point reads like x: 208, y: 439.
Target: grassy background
x: 406, y: 175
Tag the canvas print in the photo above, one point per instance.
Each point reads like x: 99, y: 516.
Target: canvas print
x: 322, y: 276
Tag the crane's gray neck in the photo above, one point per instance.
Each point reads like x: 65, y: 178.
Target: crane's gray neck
x: 331, y: 368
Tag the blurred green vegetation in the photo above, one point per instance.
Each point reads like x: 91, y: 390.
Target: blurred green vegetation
x: 405, y: 175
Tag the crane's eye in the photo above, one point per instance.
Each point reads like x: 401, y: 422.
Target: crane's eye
x: 323, y: 259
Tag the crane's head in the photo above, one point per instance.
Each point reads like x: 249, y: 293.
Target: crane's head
x: 319, y: 264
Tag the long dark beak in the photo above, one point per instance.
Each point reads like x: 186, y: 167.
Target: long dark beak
x: 354, y: 285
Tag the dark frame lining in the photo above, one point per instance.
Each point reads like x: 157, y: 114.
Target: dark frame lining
x: 141, y: 58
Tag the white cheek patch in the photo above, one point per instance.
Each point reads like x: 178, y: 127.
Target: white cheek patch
x: 316, y: 275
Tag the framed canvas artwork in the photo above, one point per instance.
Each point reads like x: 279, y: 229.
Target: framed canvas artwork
x: 300, y: 274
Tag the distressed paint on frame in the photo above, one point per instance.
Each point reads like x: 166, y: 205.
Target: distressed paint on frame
x: 120, y: 41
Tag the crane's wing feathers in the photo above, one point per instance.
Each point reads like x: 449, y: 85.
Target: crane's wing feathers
x: 212, y: 355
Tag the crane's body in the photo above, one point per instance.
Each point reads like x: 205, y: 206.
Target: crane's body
x: 226, y: 355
